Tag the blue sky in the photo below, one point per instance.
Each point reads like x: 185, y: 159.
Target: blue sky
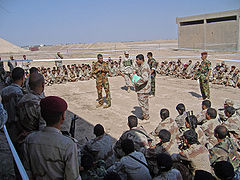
x: 30, y: 22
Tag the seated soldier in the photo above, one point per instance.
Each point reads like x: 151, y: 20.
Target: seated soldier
x: 232, y: 123
x: 201, y: 117
x: 221, y: 113
x: 72, y: 76
x: 133, y: 165
x: 59, y: 76
x: 180, y: 119
x: 194, y: 152
x: 92, y: 170
x: 209, y: 126
x: 225, y: 150
x: 101, y: 146
x: 192, y: 123
x: 164, y: 146
x: 139, y: 136
x: 235, y: 79
x: 166, y: 170
x: 53, y: 77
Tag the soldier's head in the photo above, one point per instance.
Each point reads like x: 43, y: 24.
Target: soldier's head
x: 228, y: 102
x: 149, y: 55
x: 211, y: 113
x: 201, y: 174
x: 126, y: 54
x: 164, y: 136
x: 191, y: 122
x: 204, y: 55
x: 164, y: 113
x: 224, y: 170
x: 164, y: 162
x: 36, y: 82
x: 18, y: 76
x: 180, y: 108
x: 87, y: 161
x: 139, y: 59
x: 229, y: 111
x: 221, y: 132
x: 132, y: 121
x: 53, y: 110
x: 190, y: 137
x: 100, y: 58
x: 11, y: 58
x: 127, y: 146
x: 206, y: 104
x: 24, y: 57
x: 33, y: 70
x: 98, y: 130
x: 190, y: 62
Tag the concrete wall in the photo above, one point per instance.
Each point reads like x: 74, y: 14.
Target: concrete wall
x: 222, y: 35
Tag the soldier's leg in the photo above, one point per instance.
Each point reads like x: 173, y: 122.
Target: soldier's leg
x: 107, y: 91
x: 153, y: 85
x: 202, y: 88
x: 143, y: 103
x: 127, y: 80
x: 207, y: 89
x: 99, y: 90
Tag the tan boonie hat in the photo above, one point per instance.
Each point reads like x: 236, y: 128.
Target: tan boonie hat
x: 229, y: 102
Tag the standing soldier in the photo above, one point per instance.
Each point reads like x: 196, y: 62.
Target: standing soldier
x: 100, y: 69
x: 59, y: 62
x: 25, y: 63
x: 153, y: 66
x: 142, y: 82
x: 204, y: 76
x: 127, y: 69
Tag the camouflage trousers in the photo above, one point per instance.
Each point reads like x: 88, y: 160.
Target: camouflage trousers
x: 143, y: 103
x: 204, y: 87
x: 127, y: 78
x: 153, y: 85
x: 102, y: 82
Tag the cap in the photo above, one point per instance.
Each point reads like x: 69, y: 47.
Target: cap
x: 126, y: 52
x: 204, y: 53
x: 53, y: 104
x: 229, y: 102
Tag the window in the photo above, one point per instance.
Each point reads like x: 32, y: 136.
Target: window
x: 187, y: 23
x: 220, y: 19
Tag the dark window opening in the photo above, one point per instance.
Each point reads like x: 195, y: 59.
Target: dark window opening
x: 220, y: 19
x: 187, y: 23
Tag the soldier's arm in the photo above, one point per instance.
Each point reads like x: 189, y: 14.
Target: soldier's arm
x: 144, y: 78
x: 94, y: 70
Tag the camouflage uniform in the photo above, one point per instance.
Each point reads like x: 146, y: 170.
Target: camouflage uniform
x: 143, y: 88
x: 139, y: 137
x: 153, y: 66
x: 127, y: 67
x: 50, y: 155
x: 101, y: 70
x: 180, y: 120
x: 95, y: 173
x: 225, y: 150
x: 208, y: 129
x: 204, y: 84
x: 201, y: 117
x: 198, y: 157
x: 101, y: 148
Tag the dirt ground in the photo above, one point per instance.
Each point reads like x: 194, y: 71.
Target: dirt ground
x: 82, y: 98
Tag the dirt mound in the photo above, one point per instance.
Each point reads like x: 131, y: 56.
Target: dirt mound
x: 7, y: 47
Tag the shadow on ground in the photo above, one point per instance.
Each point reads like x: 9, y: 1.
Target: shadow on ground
x: 195, y: 94
x: 125, y: 88
x: 137, y: 112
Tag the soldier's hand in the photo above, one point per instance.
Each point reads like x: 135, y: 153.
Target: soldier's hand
x: 206, y: 78
x: 122, y: 74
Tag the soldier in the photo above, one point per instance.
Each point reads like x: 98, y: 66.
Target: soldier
x: 2, y: 71
x: 113, y: 69
x: 137, y: 134
x: 12, y: 63
x: 25, y: 63
x: 59, y: 76
x: 58, y: 63
x: 100, y: 69
x: 47, y: 153
x: 101, y: 146
x: 204, y: 76
x: 29, y: 114
x: 235, y: 79
x: 201, y: 117
x: 180, y: 119
x: 72, y: 76
x: 53, y: 76
x: 11, y: 95
x: 221, y: 113
x: 133, y: 165
x: 153, y: 66
x: 143, y: 85
x: 225, y: 150
x: 209, y: 126
x: 193, y: 152
x: 224, y: 170
x: 127, y: 68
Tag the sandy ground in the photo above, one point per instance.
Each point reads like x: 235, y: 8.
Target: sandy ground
x: 82, y: 99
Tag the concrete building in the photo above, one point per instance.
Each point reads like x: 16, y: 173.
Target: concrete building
x: 214, y: 31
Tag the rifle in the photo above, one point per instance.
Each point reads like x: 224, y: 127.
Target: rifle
x: 72, y: 127
x: 190, y: 113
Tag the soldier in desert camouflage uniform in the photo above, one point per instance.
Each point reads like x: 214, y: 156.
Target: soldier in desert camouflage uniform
x: 204, y: 76
x: 180, y: 119
x: 143, y: 85
x: 201, y: 117
x: 100, y: 69
x: 153, y: 66
x: 137, y: 134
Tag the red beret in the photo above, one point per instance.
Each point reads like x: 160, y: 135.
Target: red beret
x: 204, y: 53
x: 53, y: 104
